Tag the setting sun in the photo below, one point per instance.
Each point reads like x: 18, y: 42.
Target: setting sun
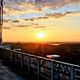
x: 41, y: 35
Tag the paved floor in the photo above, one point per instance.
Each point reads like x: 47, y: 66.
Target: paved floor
x: 7, y: 74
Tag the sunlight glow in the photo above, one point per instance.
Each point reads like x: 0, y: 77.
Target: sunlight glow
x: 40, y: 35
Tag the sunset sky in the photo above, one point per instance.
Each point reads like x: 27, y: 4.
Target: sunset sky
x: 59, y: 20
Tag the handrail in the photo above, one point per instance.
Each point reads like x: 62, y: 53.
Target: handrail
x: 42, y: 67
x: 31, y: 55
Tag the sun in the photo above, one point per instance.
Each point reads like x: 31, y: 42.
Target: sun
x: 40, y: 35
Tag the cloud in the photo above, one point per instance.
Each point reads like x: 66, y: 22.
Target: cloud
x: 57, y: 15
x: 6, y: 27
x: 15, y: 21
x: 39, y: 27
x: 74, y: 1
x: 62, y: 11
x: 41, y: 9
x: 6, y: 20
x: 22, y: 25
x: 38, y: 4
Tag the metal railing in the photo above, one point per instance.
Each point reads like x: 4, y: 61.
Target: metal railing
x: 42, y: 67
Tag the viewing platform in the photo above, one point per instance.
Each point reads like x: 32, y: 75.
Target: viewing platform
x: 38, y: 67
x: 7, y: 74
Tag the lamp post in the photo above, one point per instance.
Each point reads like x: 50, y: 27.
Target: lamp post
x: 1, y: 20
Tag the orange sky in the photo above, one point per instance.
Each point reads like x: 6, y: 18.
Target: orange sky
x: 24, y: 24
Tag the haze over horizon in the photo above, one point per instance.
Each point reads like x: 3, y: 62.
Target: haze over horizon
x: 59, y: 20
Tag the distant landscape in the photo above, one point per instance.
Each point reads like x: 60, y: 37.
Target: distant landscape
x: 69, y: 52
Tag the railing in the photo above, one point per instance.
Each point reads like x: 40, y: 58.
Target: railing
x: 42, y: 67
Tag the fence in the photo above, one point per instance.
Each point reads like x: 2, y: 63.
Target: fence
x: 42, y: 67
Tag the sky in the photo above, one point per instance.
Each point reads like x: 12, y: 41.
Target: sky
x: 59, y: 20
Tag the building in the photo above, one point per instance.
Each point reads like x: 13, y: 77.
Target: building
x: 1, y: 19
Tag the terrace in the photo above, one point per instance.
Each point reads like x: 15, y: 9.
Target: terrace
x: 31, y: 65
x: 40, y: 67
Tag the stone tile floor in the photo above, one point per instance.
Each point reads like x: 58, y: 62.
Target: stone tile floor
x: 7, y: 74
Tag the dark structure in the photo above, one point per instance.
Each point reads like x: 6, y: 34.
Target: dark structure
x: 1, y: 19
x: 40, y: 67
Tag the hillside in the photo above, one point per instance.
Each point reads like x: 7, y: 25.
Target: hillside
x: 68, y: 52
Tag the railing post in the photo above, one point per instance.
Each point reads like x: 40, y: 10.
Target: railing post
x: 21, y: 60
x: 13, y: 61
x: 38, y: 67
x: 4, y: 53
x: 52, y: 70
x: 9, y: 56
x: 0, y: 53
x: 72, y: 73
x: 28, y: 63
x: 17, y: 59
